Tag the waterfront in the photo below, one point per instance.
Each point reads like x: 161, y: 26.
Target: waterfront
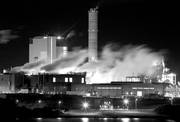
x: 99, y: 120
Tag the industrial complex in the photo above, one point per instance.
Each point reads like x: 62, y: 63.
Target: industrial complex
x: 46, y: 51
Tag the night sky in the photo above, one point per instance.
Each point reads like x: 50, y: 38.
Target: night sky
x: 155, y: 24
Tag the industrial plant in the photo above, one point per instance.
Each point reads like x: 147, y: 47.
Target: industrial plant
x: 53, y: 69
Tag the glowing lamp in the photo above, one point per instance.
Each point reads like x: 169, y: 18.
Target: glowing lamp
x: 59, y: 37
x: 125, y: 101
x: 39, y: 101
x: 59, y: 102
x: 85, y: 105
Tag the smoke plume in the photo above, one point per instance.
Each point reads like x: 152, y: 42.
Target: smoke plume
x: 30, y: 67
x: 6, y: 36
x: 68, y: 63
x: 114, y: 63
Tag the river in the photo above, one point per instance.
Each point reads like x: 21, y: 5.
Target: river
x: 97, y: 120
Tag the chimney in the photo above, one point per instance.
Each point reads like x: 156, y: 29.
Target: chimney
x: 93, y: 34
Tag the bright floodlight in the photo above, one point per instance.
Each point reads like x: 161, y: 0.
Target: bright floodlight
x: 59, y: 102
x: 39, y: 101
x: 59, y: 37
x: 85, y: 105
x: 17, y: 101
x: 126, y: 101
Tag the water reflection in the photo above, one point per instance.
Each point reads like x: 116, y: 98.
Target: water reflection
x: 39, y: 118
x: 59, y: 118
x: 136, y: 119
x: 105, y: 119
x: 125, y: 119
x: 170, y: 121
x: 85, y: 119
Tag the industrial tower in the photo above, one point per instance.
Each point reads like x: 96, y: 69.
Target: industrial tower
x: 93, y: 34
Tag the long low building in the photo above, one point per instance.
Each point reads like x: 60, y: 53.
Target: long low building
x: 75, y: 84
x: 120, y: 89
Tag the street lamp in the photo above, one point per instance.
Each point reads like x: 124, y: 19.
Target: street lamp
x: 126, y: 102
x: 85, y: 105
x: 39, y: 101
x: 59, y: 102
x: 136, y: 100
x: 59, y: 37
x: 17, y: 101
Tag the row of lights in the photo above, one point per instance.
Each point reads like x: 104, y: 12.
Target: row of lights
x: 39, y: 101
x: 85, y: 104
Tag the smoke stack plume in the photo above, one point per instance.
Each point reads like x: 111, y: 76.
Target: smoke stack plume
x: 93, y: 34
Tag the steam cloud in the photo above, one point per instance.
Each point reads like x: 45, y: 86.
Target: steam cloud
x: 112, y: 65
x: 67, y: 64
x: 6, y: 36
x: 30, y: 67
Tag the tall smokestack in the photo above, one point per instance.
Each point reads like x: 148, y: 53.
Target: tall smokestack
x: 93, y: 34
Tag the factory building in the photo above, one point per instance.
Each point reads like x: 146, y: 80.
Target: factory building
x: 47, y: 48
x: 50, y: 48
x: 75, y: 84
x: 169, y: 78
x: 55, y: 83
x: 120, y: 89
x: 11, y: 83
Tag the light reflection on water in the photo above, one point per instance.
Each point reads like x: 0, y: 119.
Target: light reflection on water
x: 85, y: 120
x: 101, y: 120
x: 59, y: 118
x: 125, y: 119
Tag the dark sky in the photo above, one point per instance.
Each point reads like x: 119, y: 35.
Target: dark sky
x: 149, y: 22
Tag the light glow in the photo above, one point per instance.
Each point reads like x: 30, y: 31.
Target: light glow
x: 125, y: 119
x: 39, y: 101
x: 125, y: 101
x: 59, y: 37
x: 85, y: 119
x: 85, y: 105
x: 112, y: 66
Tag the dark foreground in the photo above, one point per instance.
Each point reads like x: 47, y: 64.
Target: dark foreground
x: 11, y: 109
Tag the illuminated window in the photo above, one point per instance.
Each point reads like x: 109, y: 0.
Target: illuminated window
x: 131, y: 93
x: 70, y: 80
x: 66, y: 80
x: 54, y: 79
x: 82, y: 80
x: 127, y: 93
x: 139, y: 93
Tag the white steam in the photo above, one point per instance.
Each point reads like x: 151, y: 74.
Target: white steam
x: 6, y: 36
x: 112, y: 65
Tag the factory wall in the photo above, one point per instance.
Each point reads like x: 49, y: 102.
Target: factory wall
x: 72, y: 84
x: 55, y: 83
x: 42, y: 48
x: 10, y: 83
x: 6, y: 84
x: 121, y: 89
